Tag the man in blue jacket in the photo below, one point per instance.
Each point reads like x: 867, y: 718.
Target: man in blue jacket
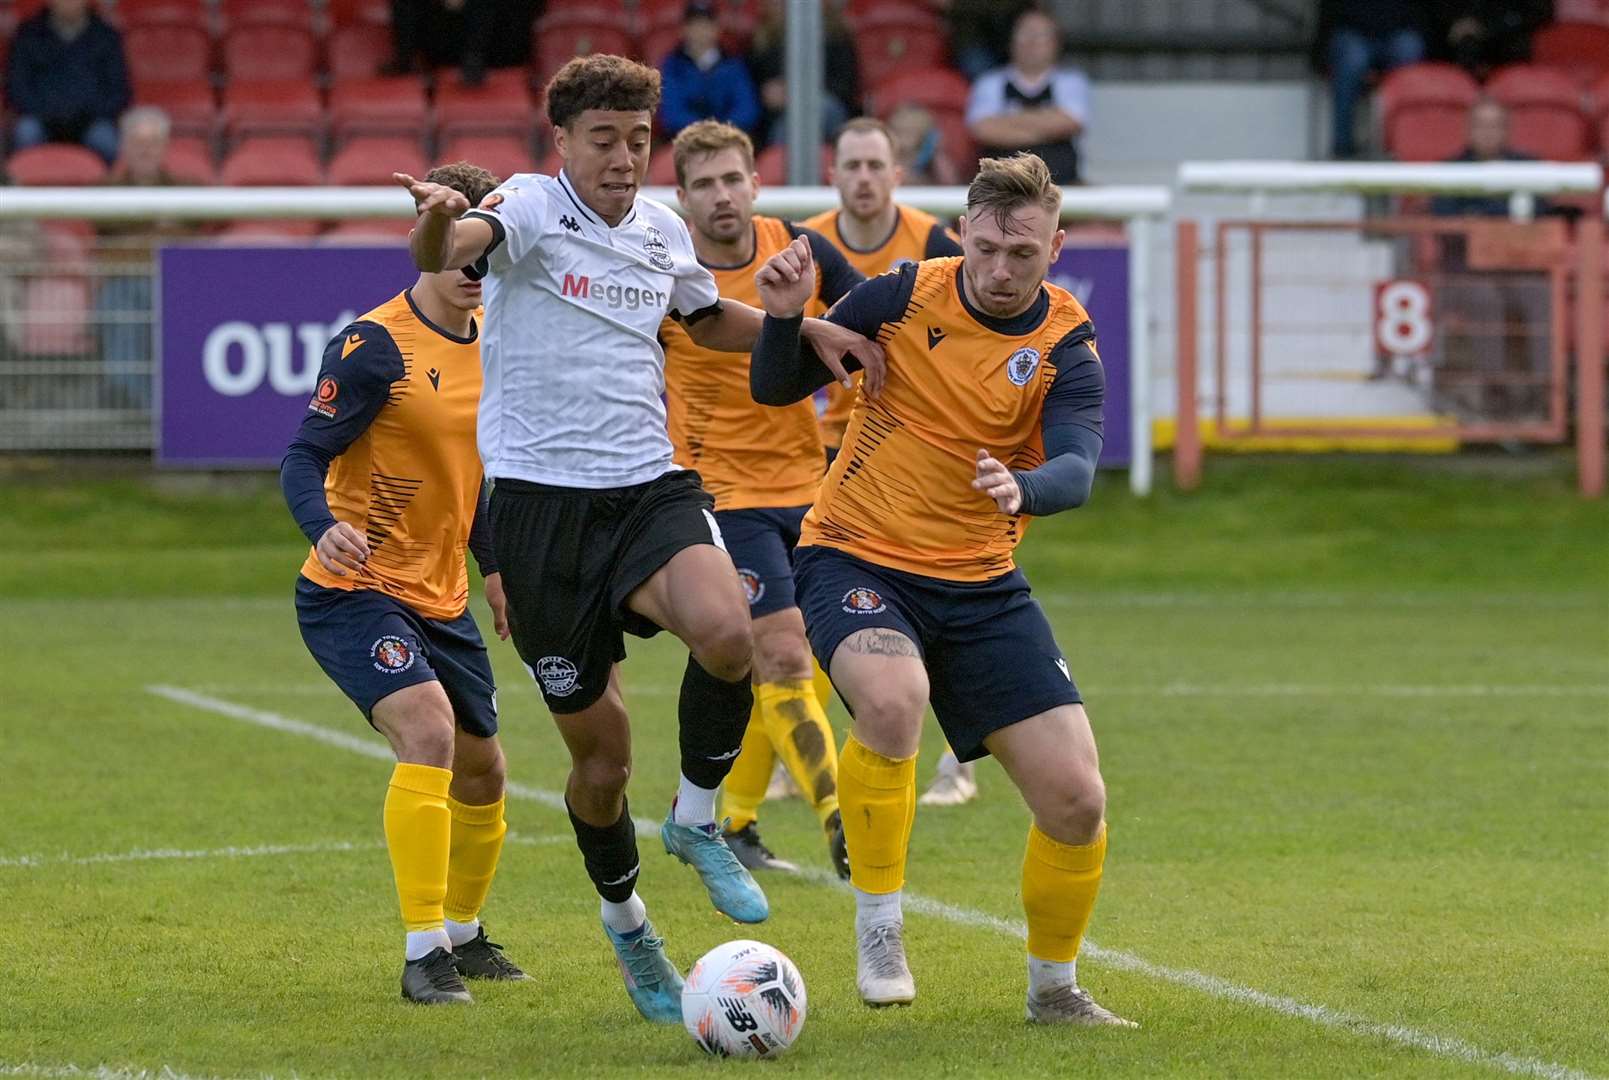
x: 67, y: 80
x: 699, y: 82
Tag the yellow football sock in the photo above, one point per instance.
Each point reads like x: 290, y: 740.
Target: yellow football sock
x: 879, y: 803
x: 418, y: 835
x: 743, y: 790
x: 477, y: 841
x: 800, y: 734
x: 1059, y: 885
x: 823, y: 687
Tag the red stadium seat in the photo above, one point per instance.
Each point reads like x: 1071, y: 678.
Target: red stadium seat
x: 189, y: 105
x: 1545, y: 114
x: 500, y: 105
x: 359, y: 52
x: 955, y: 143
x: 190, y: 159
x: 274, y: 107
x: 1424, y: 111
x: 501, y: 155
x: 772, y: 164
x: 56, y: 164
x: 160, y: 12
x: 551, y: 163
x: 660, y: 43
x: 1581, y: 50
x: 167, y: 53
x: 379, y: 231
x: 271, y: 231
x: 394, y: 106
x: 561, y: 35
x: 936, y: 89
x: 272, y: 161
x: 270, y: 52
x: 372, y: 160
x: 359, y: 12
x: 662, y: 168
x: 891, y: 40
x: 238, y: 13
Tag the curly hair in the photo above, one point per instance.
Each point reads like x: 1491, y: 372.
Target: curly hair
x: 471, y: 181
x: 601, y: 81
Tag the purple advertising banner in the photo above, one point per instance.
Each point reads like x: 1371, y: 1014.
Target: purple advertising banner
x: 243, y: 329
x: 1099, y: 277
x: 242, y: 332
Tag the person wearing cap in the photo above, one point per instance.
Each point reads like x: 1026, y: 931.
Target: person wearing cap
x: 700, y: 82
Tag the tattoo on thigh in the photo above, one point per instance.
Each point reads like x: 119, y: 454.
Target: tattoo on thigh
x: 882, y: 643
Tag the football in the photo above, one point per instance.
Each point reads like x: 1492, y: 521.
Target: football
x: 744, y: 999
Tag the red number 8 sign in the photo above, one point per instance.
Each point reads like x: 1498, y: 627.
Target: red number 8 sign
x: 1403, y: 325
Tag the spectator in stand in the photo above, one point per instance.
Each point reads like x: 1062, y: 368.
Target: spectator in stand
x: 1480, y: 35
x: 980, y: 32
x: 919, y: 149
x: 1356, y: 37
x: 470, y: 34
x: 123, y: 301
x: 1497, y: 320
x: 700, y: 82
x: 840, y: 75
x: 67, y: 79
x: 1032, y: 104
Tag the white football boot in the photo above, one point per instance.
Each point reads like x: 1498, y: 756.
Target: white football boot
x: 1068, y: 1004
x: 881, y: 973
x: 953, y: 784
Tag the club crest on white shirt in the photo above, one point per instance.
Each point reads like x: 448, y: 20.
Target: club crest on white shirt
x: 654, y: 243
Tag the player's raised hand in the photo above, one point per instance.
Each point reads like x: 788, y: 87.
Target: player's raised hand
x: 341, y: 545
x: 787, y: 281
x: 832, y: 343
x: 498, y: 602
x: 996, y: 481
x: 433, y: 198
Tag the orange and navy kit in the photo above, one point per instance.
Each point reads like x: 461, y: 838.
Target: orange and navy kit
x: 762, y: 464
x: 898, y: 538
x: 916, y: 235
x: 388, y: 446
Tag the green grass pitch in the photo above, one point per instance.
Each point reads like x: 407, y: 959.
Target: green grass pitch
x: 1353, y: 716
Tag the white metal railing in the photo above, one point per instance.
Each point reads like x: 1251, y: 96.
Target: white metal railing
x: 1137, y: 207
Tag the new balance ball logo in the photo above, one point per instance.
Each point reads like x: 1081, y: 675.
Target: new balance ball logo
x: 611, y: 295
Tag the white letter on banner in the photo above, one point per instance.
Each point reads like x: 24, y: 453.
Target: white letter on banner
x: 281, y: 365
x: 215, y: 359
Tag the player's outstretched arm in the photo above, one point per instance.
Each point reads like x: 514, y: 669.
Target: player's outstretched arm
x: 786, y: 283
x: 440, y: 240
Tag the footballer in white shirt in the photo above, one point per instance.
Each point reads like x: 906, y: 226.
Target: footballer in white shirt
x: 596, y: 531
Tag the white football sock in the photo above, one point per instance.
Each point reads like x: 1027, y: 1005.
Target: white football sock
x: 1044, y: 974
x: 694, y: 805
x: 948, y: 763
x: 878, y: 909
x: 462, y: 933
x: 626, y: 916
x: 422, y: 942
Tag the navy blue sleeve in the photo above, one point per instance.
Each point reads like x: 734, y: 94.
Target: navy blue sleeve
x: 783, y: 369
x: 837, y: 276
x: 1071, y: 424
x: 940, y: 245
x: 480, y: 537
x: 354, y: 378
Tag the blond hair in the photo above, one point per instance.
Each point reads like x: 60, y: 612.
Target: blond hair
x: 1005, y: 185
x: 863, y: 124
x: 708, y: 137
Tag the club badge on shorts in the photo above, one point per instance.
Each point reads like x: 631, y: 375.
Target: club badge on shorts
x: 557, y: 675
x: 863, y: 601
x: 391, y: 655
x: 753, y: 587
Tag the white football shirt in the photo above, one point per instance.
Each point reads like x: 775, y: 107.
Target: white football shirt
x: 574, y: 370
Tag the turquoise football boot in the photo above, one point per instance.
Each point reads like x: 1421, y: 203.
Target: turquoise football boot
x: 731, y: 887
x: 652, y: 981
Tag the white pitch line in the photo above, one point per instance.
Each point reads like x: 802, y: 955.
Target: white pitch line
x: 95, y: 1072
x: 1445, y: 1046
x: 231, y: 852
